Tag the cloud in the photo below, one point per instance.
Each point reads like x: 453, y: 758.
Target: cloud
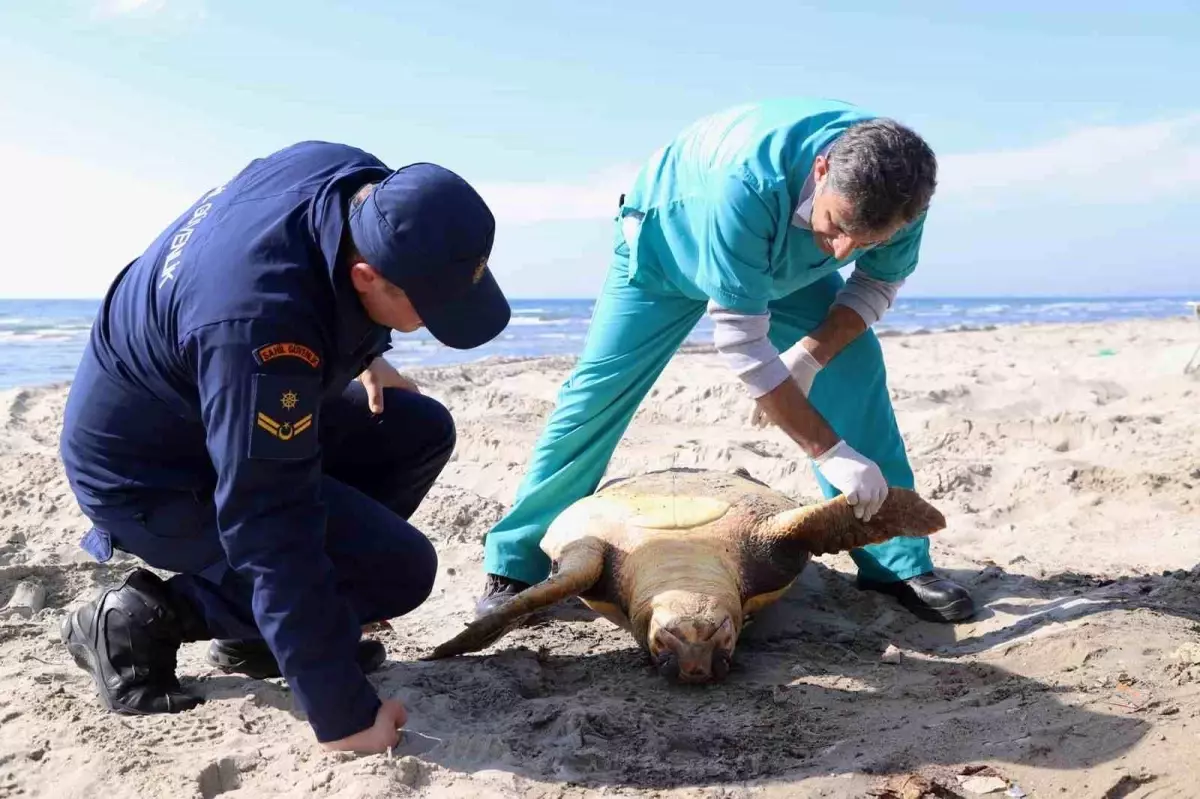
x: 119, y: 8
x: 71, y: 244
x: 523, y: 203
x: 72, y: 225
x: 168, y: 11
x: 1101, y: 164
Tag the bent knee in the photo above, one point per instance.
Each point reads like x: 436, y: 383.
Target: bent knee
x: 408, y: 412
x: 403, y: 579
x: 853, y: 383
x: 859, y: 362
x: 424, y: 570
x: 441, y: 422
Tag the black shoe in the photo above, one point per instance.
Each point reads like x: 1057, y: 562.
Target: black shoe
x: 496, y: 591
x: 127, y: 640
x: 928, y: 596
x: 252, y: 657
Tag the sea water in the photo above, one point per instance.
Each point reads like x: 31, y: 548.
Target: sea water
x: 41, y: 340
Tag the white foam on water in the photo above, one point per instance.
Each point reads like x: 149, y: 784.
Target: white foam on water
x: 521, y: 321
x: 987, y: 309
x: 47, y: 335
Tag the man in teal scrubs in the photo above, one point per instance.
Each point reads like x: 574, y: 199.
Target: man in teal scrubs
x: 747, y: 216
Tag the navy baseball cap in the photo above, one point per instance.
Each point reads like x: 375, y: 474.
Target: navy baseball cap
x: 429, y: 233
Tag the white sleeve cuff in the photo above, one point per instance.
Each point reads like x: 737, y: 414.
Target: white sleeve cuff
x: 869, y: 297
x: 742, y: 341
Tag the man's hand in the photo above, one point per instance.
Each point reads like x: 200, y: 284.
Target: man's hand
x: 857, y: 477
x: 380, y: 736
x: 380, y: 375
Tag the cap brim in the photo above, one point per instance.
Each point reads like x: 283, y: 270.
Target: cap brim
x: 473, y: 319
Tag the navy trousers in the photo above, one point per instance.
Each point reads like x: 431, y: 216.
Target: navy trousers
x: 378, y: 469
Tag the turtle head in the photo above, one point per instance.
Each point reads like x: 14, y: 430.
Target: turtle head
x: 685, y: 606
x: 693, y: 648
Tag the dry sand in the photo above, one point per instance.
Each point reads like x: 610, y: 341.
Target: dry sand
x: 1071, y: 481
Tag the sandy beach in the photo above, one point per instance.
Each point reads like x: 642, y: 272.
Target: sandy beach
x: 1065, y: 458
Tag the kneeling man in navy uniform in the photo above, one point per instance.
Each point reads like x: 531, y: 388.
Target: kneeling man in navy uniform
x: 232, y: 421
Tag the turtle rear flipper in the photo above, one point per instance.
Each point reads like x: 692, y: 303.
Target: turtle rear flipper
x: 579, y: 568
x: 831, y: 526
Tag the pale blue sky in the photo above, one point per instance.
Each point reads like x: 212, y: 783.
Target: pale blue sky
x: 1069, y: 138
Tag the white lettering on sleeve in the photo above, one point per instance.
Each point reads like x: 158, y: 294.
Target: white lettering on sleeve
x: 181, y: 237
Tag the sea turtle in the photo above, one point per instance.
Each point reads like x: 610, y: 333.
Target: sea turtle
x: 680, y: 558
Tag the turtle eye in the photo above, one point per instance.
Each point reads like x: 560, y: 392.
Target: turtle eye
x: 720, y: 663
x: 667, y: 664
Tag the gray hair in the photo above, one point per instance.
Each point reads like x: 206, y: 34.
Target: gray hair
x: 886, y: 172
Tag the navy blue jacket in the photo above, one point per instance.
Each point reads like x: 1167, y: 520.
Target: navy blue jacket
x: 216, y: 348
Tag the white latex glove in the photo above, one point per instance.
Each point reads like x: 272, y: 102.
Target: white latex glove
x: 803, y: 368
x: 858, y: 478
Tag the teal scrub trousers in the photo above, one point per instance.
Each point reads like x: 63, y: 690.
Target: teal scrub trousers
x: 633, y: 335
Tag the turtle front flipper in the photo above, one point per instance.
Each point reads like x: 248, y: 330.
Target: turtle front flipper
x: 831, y: 526
x: 577, y: 570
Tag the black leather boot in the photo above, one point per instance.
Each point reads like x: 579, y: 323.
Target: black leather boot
x: 496, y: 591
x: 127, y: 640
x: 928, y: 596
x: 252, y: 657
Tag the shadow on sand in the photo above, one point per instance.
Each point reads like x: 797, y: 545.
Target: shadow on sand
x: 571, y: 699
x: 1013, y: 607
x: 808, y: 694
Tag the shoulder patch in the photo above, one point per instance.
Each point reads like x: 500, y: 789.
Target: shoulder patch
x: 285, y: 349
x: 285, y: 409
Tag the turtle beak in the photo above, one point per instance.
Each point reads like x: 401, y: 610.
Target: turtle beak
x: 694, y: 651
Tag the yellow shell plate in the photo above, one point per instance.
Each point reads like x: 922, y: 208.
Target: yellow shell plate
x: 667, y: 512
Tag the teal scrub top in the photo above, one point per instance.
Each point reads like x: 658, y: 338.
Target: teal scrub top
x: 717, y: 205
